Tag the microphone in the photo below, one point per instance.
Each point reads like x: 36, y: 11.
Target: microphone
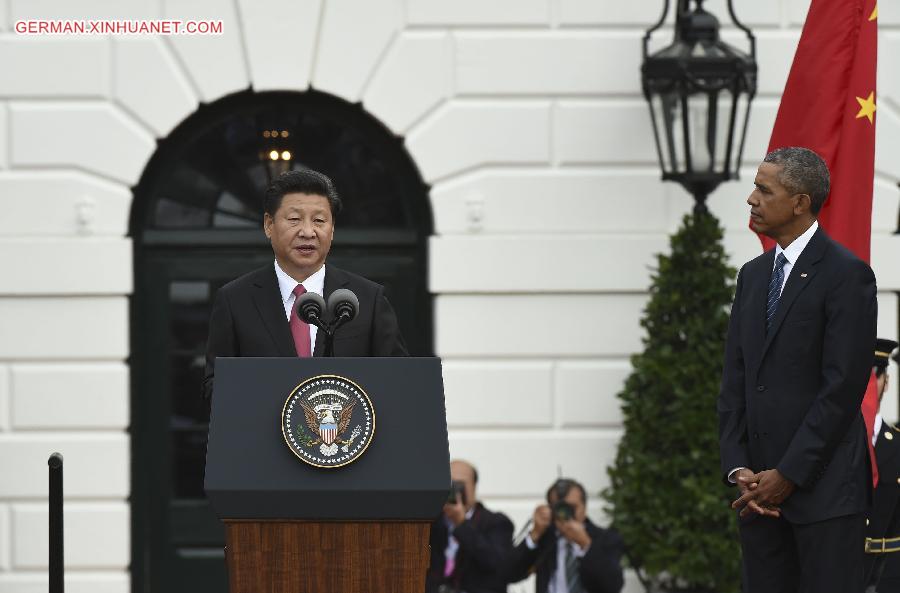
x: 343, y: 306
x: 310, y: 307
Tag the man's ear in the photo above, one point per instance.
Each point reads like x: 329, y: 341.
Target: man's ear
x: 803, y: 205
x: 267, y: 224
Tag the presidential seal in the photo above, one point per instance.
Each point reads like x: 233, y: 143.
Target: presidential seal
x: 328, y: 421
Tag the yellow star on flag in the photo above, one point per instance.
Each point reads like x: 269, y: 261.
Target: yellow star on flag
x: 874, y: 14
x: 867, y: 107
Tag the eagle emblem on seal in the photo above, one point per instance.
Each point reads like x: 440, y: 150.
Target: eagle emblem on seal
x: 328, y: 421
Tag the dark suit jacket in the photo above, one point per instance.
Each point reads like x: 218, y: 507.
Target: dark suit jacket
x: 790, y: 399
x: 248, y: 320
x: 601, y: 566
x: 884, y: 516
x: 484, y: 542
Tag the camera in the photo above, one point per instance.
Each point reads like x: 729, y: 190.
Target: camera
x: 457, y: 489
x: 562, y: 511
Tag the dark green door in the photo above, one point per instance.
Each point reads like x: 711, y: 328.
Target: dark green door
x: 196, y: 225
x: 183, y: 538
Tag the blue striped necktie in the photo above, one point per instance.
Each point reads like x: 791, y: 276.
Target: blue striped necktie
x: 573, y: 576
x: 775, y: 290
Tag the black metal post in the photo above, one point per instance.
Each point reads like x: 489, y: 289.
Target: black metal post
x: 56, y: 523
x: 700, y: 197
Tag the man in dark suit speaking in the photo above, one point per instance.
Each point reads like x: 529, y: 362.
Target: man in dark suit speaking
x: 797, y: 363
x: 254, y: 315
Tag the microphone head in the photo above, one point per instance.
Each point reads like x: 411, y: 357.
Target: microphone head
x: 310, y: 307
x: 343, y: 302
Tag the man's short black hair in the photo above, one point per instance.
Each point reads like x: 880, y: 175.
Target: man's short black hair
x: 802, y: 172
x: 301, y: 181
x: 563, y: 486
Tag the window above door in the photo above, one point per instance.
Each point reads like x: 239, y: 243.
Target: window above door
x: 214, y: 168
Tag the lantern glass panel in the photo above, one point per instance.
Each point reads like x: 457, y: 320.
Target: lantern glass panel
x: 742, y: 113
x: 701, y: 127
x: 724, y: 110
x: 667, y: 115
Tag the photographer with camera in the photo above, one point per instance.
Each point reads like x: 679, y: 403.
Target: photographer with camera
x: 568, y: 552
x: 468, y: 542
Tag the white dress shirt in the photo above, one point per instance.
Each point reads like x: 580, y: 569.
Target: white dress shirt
x: 558, y: 582
x: 791, y: 254
x: 877, y: 428
x: 286, y: 284
x: 793, y: 251
x: 452, y: 543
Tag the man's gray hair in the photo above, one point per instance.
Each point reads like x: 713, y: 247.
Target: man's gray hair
x: 802, y: 172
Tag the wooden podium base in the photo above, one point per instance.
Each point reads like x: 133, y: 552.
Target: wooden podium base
x: 331, y: 557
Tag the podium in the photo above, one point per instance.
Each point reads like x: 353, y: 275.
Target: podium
x: 327, y: 472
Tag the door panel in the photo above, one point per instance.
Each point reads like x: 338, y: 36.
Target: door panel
x: 171, y: 317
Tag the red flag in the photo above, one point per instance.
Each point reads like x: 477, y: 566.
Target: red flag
x: 828, y: 106
x: 869, y: 410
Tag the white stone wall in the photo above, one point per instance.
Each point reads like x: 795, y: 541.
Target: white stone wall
x: 524, y: 115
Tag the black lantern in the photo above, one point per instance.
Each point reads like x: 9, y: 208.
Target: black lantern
x: 699, y: 90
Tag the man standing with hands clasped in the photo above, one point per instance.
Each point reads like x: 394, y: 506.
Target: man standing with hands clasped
x: 797, y: 362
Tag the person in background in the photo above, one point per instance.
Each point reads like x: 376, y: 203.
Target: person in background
x: 568, y: 553
x: 882, y: 543
x: 469, y: 543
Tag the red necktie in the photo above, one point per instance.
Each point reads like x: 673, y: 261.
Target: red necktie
x: 299, y: 328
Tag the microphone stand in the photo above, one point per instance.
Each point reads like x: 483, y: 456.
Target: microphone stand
x: 329, y: 334
x: 311, y: 316
x: 314, y: 319
x: 329, y: 330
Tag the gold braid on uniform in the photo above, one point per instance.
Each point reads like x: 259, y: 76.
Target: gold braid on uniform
x: 882, y: 545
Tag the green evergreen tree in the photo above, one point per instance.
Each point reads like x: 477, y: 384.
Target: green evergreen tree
x: 666, y: 495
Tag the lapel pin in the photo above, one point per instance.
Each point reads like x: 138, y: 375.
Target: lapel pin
x: 803, y: 275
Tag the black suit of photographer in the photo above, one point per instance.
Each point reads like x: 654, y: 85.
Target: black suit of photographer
x: 484, y: 542
x: 600, y: 568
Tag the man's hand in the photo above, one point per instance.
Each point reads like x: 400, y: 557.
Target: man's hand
x: 455, y: 512
x: 540, y: 521
x: 742, y: 485
x: 574, y: 531
x: 764, y: 492
x: 745, y: 485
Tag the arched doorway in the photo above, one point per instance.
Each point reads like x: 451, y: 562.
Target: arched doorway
x: 196, y: 224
